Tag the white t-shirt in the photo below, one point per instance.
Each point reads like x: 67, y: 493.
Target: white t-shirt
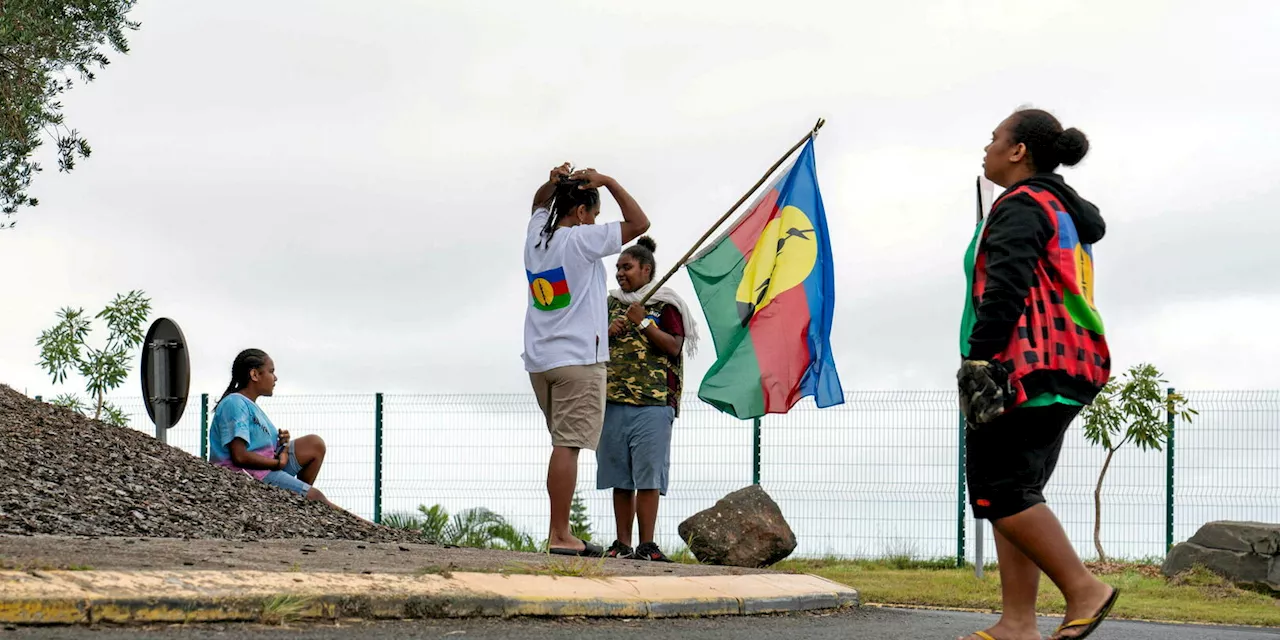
x: 567, y: 320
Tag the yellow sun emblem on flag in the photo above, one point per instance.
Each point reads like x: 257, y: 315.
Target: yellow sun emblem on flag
x: 542, y: 291
x: 783, y: 258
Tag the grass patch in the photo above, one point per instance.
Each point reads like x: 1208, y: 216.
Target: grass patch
x: 10, y: 565
x: 282, y: 609
x: 683, y: 556
x: 576, y: 568
x: 570, y: 568
x: 1195, y: 596
x: 432, y: 569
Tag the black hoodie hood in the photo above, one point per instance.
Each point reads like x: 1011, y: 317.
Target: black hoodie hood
x: 1089, y: 223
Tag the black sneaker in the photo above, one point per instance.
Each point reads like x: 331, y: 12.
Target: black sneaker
x: 619, y: 550
x: 649, y: 551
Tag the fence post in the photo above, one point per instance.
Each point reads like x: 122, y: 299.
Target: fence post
x: 1168, y: 466
x: 204, y: 426
x: 960, y: 496
x: 377, y: 459
x: 755, y: 451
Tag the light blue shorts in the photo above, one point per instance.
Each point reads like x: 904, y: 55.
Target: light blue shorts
x: 288, y: 477
x: 635, y: 448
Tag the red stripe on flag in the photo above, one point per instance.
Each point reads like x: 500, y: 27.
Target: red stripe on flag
x: 560, y: 287
x: 744, y: 236
x: 780, y: 335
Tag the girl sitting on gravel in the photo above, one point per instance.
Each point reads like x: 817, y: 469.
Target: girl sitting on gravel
x: 242, y: 437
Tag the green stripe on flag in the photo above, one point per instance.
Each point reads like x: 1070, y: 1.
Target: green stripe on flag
x: 559, y: 302
x: 733, y: 382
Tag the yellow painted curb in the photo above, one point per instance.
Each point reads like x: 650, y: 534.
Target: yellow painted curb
x: 144, y: 597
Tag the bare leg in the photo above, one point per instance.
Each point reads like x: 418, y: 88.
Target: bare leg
x: 1019, y: 585
x: 314, y: 495
x: 624, y: 512
x: 1038, y: 534
x: 647, y: 513
x: 310, y: 451
x: 562, y: 478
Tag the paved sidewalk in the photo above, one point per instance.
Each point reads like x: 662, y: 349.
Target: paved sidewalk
x: 148, y: 597
x: 58, y: 580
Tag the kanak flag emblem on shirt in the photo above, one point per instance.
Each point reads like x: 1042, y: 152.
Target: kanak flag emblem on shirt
x: 550, y: 289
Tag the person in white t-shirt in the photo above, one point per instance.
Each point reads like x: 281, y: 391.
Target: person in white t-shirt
x: 566, y: 325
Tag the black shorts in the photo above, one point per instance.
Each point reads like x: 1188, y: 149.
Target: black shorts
x: 1008, y: 462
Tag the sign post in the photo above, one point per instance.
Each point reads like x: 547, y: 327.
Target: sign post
x: 166, y: 375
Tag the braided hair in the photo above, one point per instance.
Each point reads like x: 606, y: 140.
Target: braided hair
x: 245, y: 361
x: 566, y: 199
x: 1047, y: 143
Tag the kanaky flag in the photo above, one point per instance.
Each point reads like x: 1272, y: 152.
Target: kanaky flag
x: 768, y: 291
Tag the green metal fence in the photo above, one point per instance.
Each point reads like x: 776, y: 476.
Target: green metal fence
x: 879, y: 475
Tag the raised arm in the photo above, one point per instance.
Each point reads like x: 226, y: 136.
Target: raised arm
x: 542, y: 197
x: 634, y: 221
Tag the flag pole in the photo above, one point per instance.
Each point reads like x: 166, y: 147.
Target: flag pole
x: 977, y: 183
x: 807, y: 136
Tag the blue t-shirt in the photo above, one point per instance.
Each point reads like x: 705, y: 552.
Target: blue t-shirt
x: 239, y: 417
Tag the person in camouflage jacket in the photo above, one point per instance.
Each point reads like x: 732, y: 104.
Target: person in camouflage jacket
x: 645, y: 372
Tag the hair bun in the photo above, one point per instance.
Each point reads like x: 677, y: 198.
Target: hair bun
x: 1071, y: 146
x: 648, y: 243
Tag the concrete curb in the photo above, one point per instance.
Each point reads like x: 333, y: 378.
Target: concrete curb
x: 149, y: 597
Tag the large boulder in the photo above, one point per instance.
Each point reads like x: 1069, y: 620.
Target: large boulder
x: 1247, y: 537
x: 742, y: 529
x: 1246, y: 553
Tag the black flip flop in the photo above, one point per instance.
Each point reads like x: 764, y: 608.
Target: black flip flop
x: 587, y: 551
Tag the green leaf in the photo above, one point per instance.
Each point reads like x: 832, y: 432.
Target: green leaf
x: 64, y: 347
x: 41, y: 42
x: 113, y: 415
x: 60, y: 346
x: 70, y: 401
x: 435, y: 520
x: 579, y: 523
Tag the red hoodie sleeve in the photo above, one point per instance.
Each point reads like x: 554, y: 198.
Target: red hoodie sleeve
x: 1016, y: 237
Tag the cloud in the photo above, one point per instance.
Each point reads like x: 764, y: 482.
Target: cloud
x: 348, y: 188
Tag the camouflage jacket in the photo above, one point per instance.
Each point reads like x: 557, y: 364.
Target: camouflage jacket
x: 638, y: 370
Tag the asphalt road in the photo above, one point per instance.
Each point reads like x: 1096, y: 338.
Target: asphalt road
x: 869, y: 623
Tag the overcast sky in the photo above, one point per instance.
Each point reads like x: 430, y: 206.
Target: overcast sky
x: 346, y: 185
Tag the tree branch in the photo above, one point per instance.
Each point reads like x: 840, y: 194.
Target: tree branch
x: 17, y: 64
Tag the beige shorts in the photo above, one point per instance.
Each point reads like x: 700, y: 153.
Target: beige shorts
x: 572, y: 400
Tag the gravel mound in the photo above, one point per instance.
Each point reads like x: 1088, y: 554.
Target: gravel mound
x: 63, y: 474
